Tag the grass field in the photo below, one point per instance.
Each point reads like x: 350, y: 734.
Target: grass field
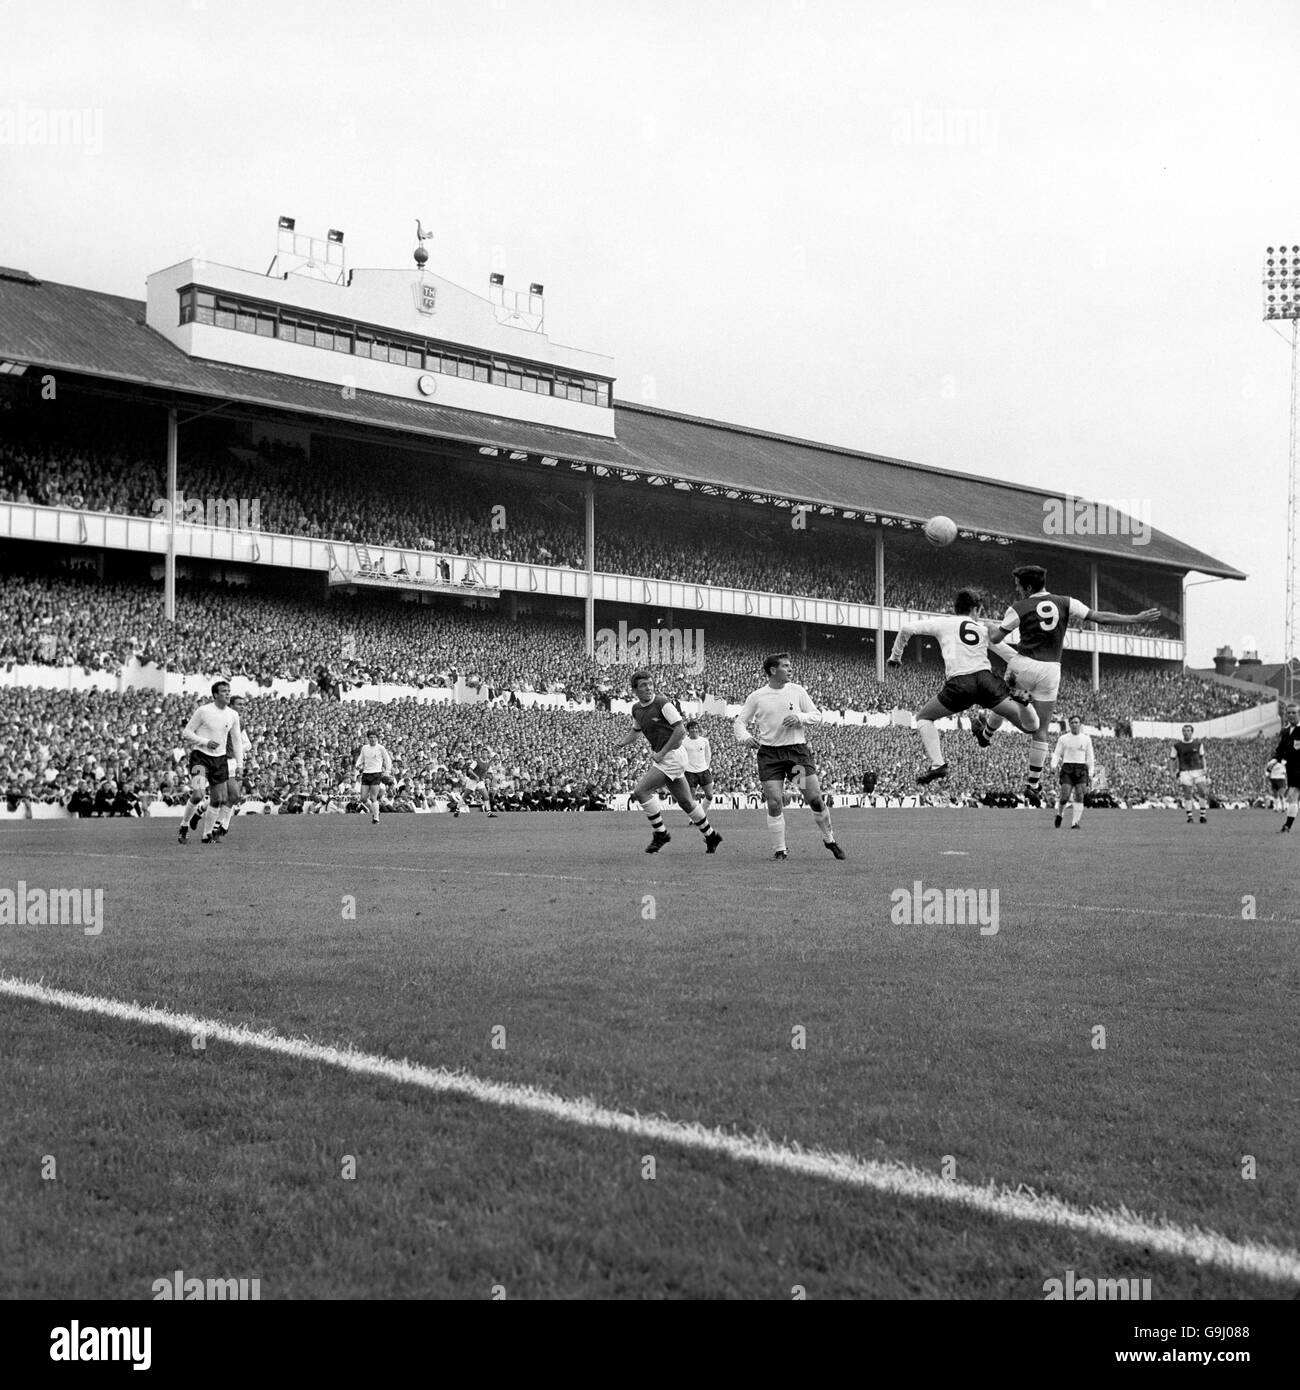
x: 670, y: 987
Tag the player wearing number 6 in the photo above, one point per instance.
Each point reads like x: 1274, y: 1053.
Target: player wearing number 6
x: 964, y: 642
x: 1040, y: 619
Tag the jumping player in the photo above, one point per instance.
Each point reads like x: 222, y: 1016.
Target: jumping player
x: 699, y: 758
x: 964, y: 643
x: 1040, y: 619
x: 207, y: 736
x: 659, y: 720
x: 374, y: 763
x: 1288, y: 752
x: 1188, y: 756
x: 1073, y: 755
x: 781, y: 709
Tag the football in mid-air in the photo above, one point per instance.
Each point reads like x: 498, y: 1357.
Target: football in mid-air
x: 940, y: 530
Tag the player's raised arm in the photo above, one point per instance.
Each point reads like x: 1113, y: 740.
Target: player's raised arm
x: 740, y: 725
x: 999, y: 632
x: 913, y: 627
x: 1097, y: 615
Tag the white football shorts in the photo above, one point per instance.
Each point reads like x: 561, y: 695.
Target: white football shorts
x: 671, y: 764
x: 1192, y: 777
x: 1040, y: 680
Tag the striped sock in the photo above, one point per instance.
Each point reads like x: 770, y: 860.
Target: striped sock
x: 651, y: 807
x: 199, y: 809
x: 700, y: 820
x: 1037, y: 757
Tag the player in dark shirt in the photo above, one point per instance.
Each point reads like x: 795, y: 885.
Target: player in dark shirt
x: 1288, y: 752
x: 659, y: 719
x: 1039, y: 619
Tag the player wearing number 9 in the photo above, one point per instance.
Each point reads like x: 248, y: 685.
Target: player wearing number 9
x: 1039, y: 619
x: 964, y: 643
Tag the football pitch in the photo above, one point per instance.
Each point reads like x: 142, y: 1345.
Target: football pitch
x: 521, y: 1057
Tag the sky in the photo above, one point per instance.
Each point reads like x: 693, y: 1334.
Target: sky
x: 1022, y: 240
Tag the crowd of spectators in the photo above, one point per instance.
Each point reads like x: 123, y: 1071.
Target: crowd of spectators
x: 368, y: 640
x: 390, y: 498
x: 104, y: 753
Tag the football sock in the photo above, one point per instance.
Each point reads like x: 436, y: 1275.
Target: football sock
x: 209, y: 817
x: 930, y: 741
x: 699, y: 819
x: 823, y: 819
x: 776, y: 830
x: 224, y: 815
x: 1078, y: 813
x: 1037, y: 758
x: 651, y: 807
x: 198, y: 808
x: 992, y: 721
x: 1289, y: 821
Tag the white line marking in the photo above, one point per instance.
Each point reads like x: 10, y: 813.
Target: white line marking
x: 893, y: 1179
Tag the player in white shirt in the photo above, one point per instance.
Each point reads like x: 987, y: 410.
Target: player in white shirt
x: 374, y: 763
x: 969, y: 679
x: 238, y: 747
x: 1073, y: 755
x: 207, y: 736
x: 780, y: 709
x: 699, y: 763
x: 1275, y: 771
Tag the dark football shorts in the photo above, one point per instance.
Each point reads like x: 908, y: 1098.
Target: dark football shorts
x: 215, y: 767
x: 780, y: 764
x: 974, y: 688
x: 1074, y: 774
x: 695, y: 780
x: 372, y: 779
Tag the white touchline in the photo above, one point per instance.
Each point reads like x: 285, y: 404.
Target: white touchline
x: 892, y: 1179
